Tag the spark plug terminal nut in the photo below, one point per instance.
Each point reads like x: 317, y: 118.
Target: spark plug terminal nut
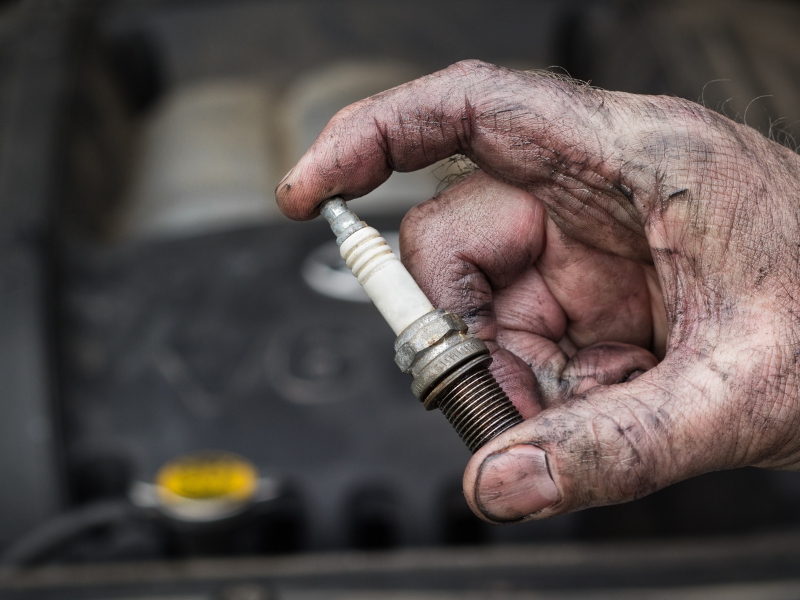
x: 448, y: 364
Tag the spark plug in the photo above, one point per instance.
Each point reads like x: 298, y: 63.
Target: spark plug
x: 450, y: 367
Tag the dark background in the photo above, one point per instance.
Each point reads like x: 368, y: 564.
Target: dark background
x: 153, y: 301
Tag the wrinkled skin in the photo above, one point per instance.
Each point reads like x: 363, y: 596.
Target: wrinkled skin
x: 632, y: 261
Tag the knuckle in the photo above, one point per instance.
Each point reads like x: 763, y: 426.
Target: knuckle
x: 630, y: 473
x: 346, y: 114
x: 417, y: 223
x: 469, y: 66
x: 619, y: 458
x: 472, y: 70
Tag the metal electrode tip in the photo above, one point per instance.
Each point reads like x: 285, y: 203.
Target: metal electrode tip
x: 343, y: 221
x: 449, y: 365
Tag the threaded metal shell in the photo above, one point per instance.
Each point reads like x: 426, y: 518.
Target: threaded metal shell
x: 477, y: 407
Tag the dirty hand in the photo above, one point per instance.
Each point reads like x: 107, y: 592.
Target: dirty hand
x: 604, y: 232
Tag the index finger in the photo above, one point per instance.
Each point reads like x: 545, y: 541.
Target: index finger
x: 519, y: 127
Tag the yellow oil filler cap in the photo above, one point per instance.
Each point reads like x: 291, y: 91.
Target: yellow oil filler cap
x: 206, y: 486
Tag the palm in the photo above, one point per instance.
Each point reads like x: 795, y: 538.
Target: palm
x: 548, y: 304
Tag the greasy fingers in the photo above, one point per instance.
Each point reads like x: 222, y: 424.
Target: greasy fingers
x: 612, y: 444
x: 523, y: 128
x: 727, y: 397
x: 403, y: 129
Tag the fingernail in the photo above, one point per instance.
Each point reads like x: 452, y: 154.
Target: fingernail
x: 515, y: 484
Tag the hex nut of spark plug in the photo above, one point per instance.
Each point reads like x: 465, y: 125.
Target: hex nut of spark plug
x: 424, y: 333
x: 431, y: 347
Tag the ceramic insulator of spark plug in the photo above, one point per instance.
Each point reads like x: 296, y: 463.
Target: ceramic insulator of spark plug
x: 387, y: 282
x: 449, y: 366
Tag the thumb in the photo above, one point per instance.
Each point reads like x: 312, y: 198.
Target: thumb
x: 612, y: 444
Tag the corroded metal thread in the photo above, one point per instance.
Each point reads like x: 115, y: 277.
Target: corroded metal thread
x: 478, y: 408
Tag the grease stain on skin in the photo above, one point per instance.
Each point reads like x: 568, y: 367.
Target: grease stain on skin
x: 624, y: 190
x: 762, y: 274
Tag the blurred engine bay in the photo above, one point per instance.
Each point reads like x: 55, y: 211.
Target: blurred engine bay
x: 167, y: 329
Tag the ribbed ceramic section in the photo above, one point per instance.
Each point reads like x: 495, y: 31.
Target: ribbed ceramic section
x: 370, y: 252
x: 478, y: 408
x: 387, y: 282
